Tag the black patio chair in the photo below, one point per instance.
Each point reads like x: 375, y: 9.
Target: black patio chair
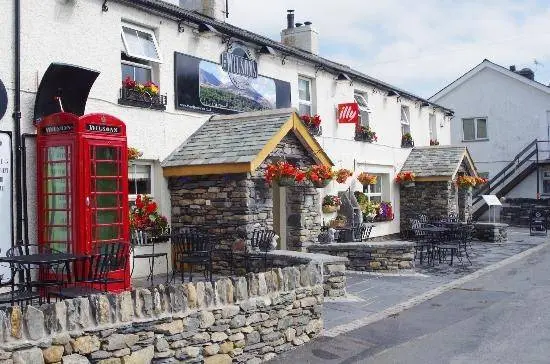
x: 260, y: 243
x: 538, y: 222
x: 141, y: 239
x: 456, y: 243
x: 116, y: 257
x: 191, y: 248
x: 15, y: 289
x: 365, y: 231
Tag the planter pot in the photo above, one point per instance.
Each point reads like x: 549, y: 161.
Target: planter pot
x: 321, y: 184
x: 407, y: 144
x: 408, y: 184
x: 327, y: 209
x: 315, y: 130
x: 286, y: 181
x: 337, y: 225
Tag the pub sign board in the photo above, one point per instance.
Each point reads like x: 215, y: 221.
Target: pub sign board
x: 232, y: 86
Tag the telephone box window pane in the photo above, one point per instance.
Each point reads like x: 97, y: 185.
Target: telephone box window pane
x: 57, y: 202
x: 106, y: 233
x: 107, y: 217
x: 56, y: 185
x: 57, y: 233
x: 60, y: 247
x: 107, y: 201
x: 56, y: 169
x: 58, y: 218
x: 106, y: 185
x: 57, y: 153
x: 106, y: 169
x: 106, y: 153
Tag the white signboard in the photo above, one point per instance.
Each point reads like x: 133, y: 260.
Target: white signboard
x: 491, y: 200
x: 5, y: 199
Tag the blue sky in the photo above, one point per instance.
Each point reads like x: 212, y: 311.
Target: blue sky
x: 419, y: 46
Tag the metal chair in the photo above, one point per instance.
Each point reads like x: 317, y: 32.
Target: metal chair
x: 16, y: 291
x: 260, y: 244
x: 365, y: 231
x: 538, y: 222
x: 192, y: 248
x: 141, y: 239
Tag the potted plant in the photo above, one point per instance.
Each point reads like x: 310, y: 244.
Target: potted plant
x: 283, y: 173
x: 434, y: 142
x: 134, y: 153
x: 367, y: 179
x: 466, y: 182
x: 339, y: 221
x: 407, y: 141
x: 405, y: 179
x: 331, y: 203
x: 365, y: 134
x: 313, y: 123
x: 319, y: 175
x: 145, y: 216
x: 384, y: 211
x: 342, y: 175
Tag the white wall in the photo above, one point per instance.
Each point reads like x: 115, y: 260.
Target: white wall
x: 515, y: 112
x: 78, y: 32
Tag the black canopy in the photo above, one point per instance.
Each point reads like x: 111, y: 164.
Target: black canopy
x: 71, y: 83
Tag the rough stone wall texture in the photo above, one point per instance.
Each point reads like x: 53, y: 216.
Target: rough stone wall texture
x: 516, y: 211
x: 224, y: 205
x: 249, y: 319
x: 370, y: 258
x: 493, y: 232
x: 464, y: 204
x: 434, y: 199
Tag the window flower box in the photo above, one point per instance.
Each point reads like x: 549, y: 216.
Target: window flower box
x: 434, y: 142
x: 131, y: 97
x: 365, y: 134
x: 407, y: 141
x: 313, y: 124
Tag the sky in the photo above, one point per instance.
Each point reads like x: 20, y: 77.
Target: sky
x: 420, y: 46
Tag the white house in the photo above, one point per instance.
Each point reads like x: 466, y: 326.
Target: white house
x: 499, y: 112
x: 151, y: 40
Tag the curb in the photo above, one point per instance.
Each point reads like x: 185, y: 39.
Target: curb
x: 405, y: 305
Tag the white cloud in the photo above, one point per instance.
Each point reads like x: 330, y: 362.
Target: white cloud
x: 420, y: 46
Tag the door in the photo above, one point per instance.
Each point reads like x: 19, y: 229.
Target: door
x: 106, y: 201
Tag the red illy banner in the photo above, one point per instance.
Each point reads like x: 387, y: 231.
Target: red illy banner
x: 348, y: 113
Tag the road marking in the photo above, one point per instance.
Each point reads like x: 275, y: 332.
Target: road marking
x: 405, y: 305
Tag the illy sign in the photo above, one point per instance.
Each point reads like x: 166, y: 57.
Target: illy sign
x: 348, y: 113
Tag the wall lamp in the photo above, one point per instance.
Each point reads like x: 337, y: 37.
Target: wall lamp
x: 207, y: 28
x: 424, y: 104
x: 393, y: 93
x: 267, y: 50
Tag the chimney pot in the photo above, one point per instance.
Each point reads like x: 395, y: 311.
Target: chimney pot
x: 513, y: 68
x: 298, y: 25
x: 307, y: 23
x: 290, y: 19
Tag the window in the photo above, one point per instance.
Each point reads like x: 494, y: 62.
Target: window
x: 374, y: 192
x: 136, y: 69
x: 139, y: 179
x: 140, y: 43
x: 546, y: 182
x: 364, y: 109
x: 433, y: 127
x: 474, y: 129
x: 305, y: 105
x: 405, y: 120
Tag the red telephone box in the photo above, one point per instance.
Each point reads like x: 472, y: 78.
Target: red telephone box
x: 83, y: 185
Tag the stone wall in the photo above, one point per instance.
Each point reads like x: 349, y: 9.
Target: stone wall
x: 371, y: 256
x: 434, y: 199
x: 493, y: 232
x: 249, y: 320
x: 516, y: 211
x: 464, y: 204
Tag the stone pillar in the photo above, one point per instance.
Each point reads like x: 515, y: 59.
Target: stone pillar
x: 303, y: 223
x: 464, y: 204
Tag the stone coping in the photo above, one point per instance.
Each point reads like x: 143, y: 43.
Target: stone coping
x: 491, y: 224
x: 308, y: 257
x: 362, y: 245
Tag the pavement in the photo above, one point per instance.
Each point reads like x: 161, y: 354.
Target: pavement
x: 493, y: 311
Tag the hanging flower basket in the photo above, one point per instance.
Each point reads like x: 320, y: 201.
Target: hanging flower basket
x: 320, y: 176
x: 342, y: 175
x: 329, y: 209
x: 405, y: 179
x: 367, y: 179
x: 286, y: 181
x: 466, y: 182
x: 283, y: 174
x: 339, y: 222
x: 134, y: 153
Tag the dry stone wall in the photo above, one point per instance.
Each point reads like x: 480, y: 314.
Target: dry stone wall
x: 248, y: 320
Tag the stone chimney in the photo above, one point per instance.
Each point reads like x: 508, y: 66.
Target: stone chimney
x: 215, y: 9
x: 302, y: 36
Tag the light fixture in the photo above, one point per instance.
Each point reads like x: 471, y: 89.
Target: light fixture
x: 343, y: 77
x: 424, y: 104
x: 204, y: 28
x: 267, y: 50
x: 181, y: 28
x: 104, y: 7
x: 393, y: 93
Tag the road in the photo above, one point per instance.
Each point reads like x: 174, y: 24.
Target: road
x: 502, y: 317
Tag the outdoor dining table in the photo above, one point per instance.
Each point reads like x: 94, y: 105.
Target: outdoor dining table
x: 434, y: 235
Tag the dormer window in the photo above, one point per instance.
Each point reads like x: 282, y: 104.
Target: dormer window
x: 364, y: 116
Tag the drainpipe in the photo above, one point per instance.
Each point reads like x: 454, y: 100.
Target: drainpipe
x: 24, y: 185
x: 17, y: 123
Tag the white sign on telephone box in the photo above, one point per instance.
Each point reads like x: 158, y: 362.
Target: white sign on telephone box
x: 5, y: 199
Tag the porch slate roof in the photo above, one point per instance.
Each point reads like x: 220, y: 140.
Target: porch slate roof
x: 236, y: 143
x: 437, y: 161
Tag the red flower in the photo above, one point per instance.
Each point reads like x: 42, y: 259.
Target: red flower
x: 129, y: 83
x: 139, y: 202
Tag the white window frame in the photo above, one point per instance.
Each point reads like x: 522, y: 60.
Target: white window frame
x: 151, y: 164
x: 432, y: 121
x: 140, y: 65
x: 364, y: 108
x: 406, y: 122
x: 144, y: 30
x: 367, y: 188
x: 475, y: 119
x: 306, y: 102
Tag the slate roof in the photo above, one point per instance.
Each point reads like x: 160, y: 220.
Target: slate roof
x: 229, y: 138
x: 436, y: 161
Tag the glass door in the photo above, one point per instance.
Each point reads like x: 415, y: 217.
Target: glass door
x: 57, y: 232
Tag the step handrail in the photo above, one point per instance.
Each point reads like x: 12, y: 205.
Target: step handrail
x: 492, y: 184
